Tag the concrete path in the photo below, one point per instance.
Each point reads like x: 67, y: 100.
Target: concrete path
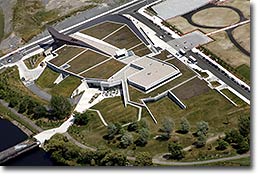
x: 171, y: 163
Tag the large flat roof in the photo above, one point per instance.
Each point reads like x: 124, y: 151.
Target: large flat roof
x: 172, y: 8
x: 153, y: 72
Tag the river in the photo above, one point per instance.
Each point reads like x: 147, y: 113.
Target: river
x: 11, y: 135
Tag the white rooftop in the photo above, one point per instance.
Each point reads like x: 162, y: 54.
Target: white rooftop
x: 153, y: 72
x: 172, y: 8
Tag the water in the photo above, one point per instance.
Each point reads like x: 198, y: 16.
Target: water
x: 11, y: 135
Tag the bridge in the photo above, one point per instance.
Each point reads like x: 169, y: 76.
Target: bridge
x: 18, y: 149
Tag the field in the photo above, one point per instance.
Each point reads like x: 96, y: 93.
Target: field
x: 85, y: 61
x: 190, y: 89
x: 66, y: 53
x: 244, y: 70
x: 184, y: 26
x: 102, y: 30
x: 30, y: 17
x: 113, y: 110
x: 242, y: 35
x: 136, y: 95
x: 223, y: 114
x: 141, y: 50
x: 124, y: 38
x: 47, y: 78
x: 234, y: 98
x: 227, y: 51
x: 216, y: 17
x: 2, y: 24
x: 64, y: 88
x: 105, y: 70
x: 90, y: 134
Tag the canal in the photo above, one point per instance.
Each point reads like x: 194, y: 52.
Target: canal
x: 11, y: 135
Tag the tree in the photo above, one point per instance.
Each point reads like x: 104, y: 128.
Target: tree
x: 176, y: 151
x: 243, y: 147
x: 133, y: 126
x: 14, y: 101
x: 143, y: 159
x: 111, y: 131
x: 126, y: 140
x: 233, y: 136
x: 202, y: 127
x: 60, y: 107
x: 201, y: 140
x: 167, y: 126
x: 22, y: 107
x: 81, y: 119
x: 184, y: 126
x: 244, y: 126
x: 143, y: 137
x: 222, y: 145
x: 39, y: 111
x: 114, y: 159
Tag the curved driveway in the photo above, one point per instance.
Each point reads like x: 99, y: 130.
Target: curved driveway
x: 242, y: 18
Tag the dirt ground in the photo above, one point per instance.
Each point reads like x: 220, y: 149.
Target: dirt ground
x: 242, y: 35
x: 227, y: 51
x: 190, y: 89
x: 216, y: 17
x: 182, y: 24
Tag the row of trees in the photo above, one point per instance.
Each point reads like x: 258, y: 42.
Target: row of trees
x: 64, y: 152
x: 239, y: 138
x: 58, y: 108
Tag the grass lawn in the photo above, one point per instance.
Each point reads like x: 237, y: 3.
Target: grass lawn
x: 65, y: 54
x: 47, y: 78
x: 102, y: 30
x: 231, y: 163
x: 46, y: 124
x: 141, y: 50
x: 136, y: 95
x: 244, y: 70
x: 16, y: 84
x: 124, y: 38
x: 2, y: 24
x: 223, y: 114
x: 85, y: 61
x: 66, y: 87
x: 34, y: 61
x: 90, y: 134
x: 113, y: 110
x: 105, y: 70
x: 233, y: 97
x: 163, y: 55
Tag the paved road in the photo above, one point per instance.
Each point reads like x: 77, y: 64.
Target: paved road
x: 202, y: 63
